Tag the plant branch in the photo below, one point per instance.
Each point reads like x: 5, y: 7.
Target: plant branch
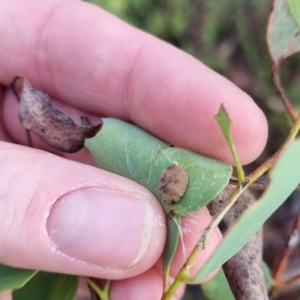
x: 281, y: 286
x: 291, y: 243
x: 292, y: 281
x: 289, y: 246
x: 281, y: 93
x: 260, y: 183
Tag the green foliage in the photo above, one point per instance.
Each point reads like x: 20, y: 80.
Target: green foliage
x: 48, y: 286
x: 13, y: 278
x: 125, y: 149
x: 286, y: 170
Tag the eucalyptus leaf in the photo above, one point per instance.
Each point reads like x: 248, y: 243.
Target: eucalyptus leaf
x: 125, y: 149
x: 48, y: 286
x: 283, y: 37
x: 225, y: 125
x: 287, y: 171
x: 13, y: 278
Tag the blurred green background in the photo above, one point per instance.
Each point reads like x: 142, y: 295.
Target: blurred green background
x: 230, y: 37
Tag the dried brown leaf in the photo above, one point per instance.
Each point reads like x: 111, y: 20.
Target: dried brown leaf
x: 39, y: 116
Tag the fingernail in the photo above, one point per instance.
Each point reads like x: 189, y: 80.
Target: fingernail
x: 102, y: 226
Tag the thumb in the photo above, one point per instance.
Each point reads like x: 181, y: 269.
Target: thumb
x: 63, y: 216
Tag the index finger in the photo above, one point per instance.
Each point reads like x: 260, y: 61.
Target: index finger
x: 86, y: 57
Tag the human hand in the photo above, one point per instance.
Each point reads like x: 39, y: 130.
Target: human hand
x: 62, y: 216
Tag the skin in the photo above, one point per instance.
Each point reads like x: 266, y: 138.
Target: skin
x: 93, y: 64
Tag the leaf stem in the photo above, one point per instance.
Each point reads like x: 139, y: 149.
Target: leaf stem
x: 102, y: 293
x: 180, y: 278
x: 281, y: 93
x: 260, y: 183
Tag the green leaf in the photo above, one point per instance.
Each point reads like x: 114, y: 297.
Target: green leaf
x: 285, y: 176
x: 173, y: 236
x: 13, y: 278
x: 283, y: 33
x: 125, y: 149
x: 268, y: 276
x: 217, y: 288
x: 225, y: 124
x: 48, y: 286
x: 294, y: 6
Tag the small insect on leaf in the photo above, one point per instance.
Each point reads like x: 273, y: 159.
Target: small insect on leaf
x: 173, y: 183
x: 39, y: 116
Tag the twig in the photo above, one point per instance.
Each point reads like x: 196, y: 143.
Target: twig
x: 260, y: 183
x: 94, y: 295
x: 292, y: 281
x: 281, y: 93
x: 291, y: 243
